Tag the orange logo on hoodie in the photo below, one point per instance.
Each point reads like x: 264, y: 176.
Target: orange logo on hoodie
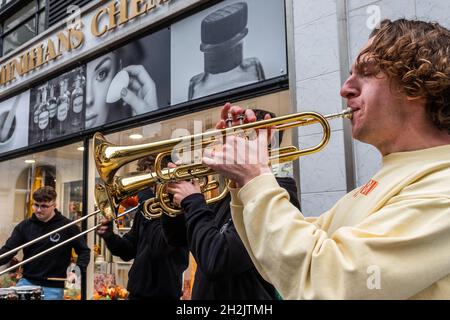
x: 367, y: 188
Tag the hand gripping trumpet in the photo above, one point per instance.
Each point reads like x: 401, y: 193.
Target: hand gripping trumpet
x: 109, y: 158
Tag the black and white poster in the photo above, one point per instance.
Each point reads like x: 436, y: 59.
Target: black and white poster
x: 57, y: 107
x: 129, y: 81
x: 229, y: 45
x: 14, y: 122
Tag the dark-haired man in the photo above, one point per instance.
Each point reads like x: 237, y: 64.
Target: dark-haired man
x: 159, y: 257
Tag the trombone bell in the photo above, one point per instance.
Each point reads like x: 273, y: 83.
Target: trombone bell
x: 106, y: 203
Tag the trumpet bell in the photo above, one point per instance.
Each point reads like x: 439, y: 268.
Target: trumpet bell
x: 102, y: 155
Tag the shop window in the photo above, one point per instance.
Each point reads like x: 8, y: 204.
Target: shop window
x: 22, y: 25
x: 3, y: 3
x: 111, y: 270
x: 21, y: 196
x: 61, y: 168
x: 73, y: 191
x: 29, y: 180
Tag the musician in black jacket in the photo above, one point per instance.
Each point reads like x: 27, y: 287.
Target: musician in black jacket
x: 224, y: 268
x: 53, y: 264
x: 159, y: 257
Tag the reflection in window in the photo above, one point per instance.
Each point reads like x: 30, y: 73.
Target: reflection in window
x: 19, y: 36
x: 73, y: 190
x: 41, y: 25
x: 20, y: 16
x: 24, y: 24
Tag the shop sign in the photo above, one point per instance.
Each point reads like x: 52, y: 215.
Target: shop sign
x: 226, y: 45
x: 102, y: 21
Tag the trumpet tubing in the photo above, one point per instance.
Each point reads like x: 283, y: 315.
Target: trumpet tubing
x: 108, y: 196
x: 109, y: 158
x: 155, y: 207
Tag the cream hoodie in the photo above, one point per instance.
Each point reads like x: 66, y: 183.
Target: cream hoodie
x: 389, y: 239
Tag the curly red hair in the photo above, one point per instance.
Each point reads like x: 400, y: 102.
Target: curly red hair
x: 415, y: 54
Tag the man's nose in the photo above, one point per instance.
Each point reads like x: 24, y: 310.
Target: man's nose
x: 349, y: 89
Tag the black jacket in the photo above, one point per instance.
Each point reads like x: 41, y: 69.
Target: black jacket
x: 224, y: 268
x: 54, y: 263
x: 159, y: 261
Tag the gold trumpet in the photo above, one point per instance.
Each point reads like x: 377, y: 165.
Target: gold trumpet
x: 109, y: 158
x: 153, y: 208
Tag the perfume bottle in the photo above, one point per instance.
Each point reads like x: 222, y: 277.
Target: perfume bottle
x: 77, y: 98
x: 43, y: 115
x: 35, y: 116
x: 52, y: 109
x: 222, y: 34
x: 63, y: 106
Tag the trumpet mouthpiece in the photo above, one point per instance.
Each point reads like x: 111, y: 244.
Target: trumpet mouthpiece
x: 348, y: 113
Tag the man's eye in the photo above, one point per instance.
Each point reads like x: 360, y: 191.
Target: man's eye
x: 367, y: 72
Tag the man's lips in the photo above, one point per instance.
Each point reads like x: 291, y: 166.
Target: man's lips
x: 355, y: 111
x: 353, y: 107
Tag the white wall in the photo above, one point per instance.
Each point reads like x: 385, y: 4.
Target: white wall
x: 318, y: 81
x: 322, y: 175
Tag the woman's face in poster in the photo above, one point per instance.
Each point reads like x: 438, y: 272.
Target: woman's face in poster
x: 99, y: 74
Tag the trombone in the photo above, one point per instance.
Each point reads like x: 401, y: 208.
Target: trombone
x: 59, y: 244
x: 109, y: 158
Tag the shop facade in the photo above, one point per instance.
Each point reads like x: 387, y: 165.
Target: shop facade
x: 138, y: 72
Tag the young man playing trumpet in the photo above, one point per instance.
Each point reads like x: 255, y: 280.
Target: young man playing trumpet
x: 398, y: 230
